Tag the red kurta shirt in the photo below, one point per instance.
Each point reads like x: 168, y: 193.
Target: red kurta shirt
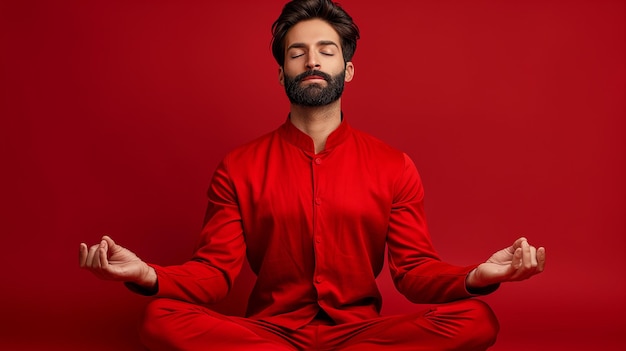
x: 314, y: 228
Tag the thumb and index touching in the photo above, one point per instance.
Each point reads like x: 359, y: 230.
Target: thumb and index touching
x: 106, y: 244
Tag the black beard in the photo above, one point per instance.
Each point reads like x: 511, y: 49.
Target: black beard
x: 314, y: 94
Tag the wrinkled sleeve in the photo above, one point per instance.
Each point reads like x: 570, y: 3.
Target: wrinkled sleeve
x: 416, y: 269
x: 210, y: 273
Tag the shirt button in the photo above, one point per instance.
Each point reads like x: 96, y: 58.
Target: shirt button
x: 318, y: 160
x: 318, y: 201
x: 318, y: 240
x: 318, y: 279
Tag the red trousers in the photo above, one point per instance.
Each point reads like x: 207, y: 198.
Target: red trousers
x: 463, y: 325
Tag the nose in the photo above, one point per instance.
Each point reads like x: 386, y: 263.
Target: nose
x: 312, y: 62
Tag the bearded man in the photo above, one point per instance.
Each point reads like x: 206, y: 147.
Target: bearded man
x: 314, y: 206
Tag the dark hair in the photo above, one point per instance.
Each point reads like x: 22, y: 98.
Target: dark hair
x: 300, y: 10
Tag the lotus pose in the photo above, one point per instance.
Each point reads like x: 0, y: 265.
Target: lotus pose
x: 314, y: 207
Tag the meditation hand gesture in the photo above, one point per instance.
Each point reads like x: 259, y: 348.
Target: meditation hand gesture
x: 517, y: 262
x: 110, y: 261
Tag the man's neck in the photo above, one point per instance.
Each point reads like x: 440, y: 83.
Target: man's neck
x: 317, y: 122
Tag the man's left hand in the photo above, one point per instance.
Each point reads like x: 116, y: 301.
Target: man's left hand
x: 517, y: 262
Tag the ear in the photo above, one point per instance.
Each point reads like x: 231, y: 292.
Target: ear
x: 281, y: 76
x: 349, y: 71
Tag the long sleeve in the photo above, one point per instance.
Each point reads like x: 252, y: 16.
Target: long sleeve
x: 416, y: 268
x: 208, y: 276
x: 314, y: 228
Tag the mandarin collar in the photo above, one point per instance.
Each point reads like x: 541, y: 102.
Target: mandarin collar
x: 305, y: 142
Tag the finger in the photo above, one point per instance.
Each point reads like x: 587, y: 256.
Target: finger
x: 516, y: 245
x: 101, y: 253
x: 83, y: 251
x: 530, y: 267
x: 529, y: 263
x: 519, y: 241
x: 90, y: 255
x: 533, y: 257
x: 516, y: 262
x: 112, y: 246
x: 96, y: 261
x: 103, y: 259
x: 526, y: 255
x: 541, y: 259
x: 516, y: 265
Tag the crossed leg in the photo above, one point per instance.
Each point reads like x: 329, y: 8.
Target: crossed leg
x: 467, y: 325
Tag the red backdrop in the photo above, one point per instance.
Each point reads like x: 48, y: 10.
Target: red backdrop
x: 114, y: 115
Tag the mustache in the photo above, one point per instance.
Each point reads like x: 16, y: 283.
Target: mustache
x: 327, y: 77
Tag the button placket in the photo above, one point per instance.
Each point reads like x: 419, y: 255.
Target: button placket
x: 317, y: 238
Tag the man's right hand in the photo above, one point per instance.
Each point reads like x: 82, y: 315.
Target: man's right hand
x: 110, y: 261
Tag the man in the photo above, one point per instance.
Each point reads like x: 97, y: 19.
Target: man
x: 313, y: 205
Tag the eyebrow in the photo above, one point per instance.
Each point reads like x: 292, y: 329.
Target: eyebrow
x: 319, y: 43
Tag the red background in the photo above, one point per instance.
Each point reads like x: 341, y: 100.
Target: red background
x: 114, y: 115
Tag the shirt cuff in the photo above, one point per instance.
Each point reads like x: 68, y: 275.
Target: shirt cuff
x: 142, y: 290
x: 482, y: 291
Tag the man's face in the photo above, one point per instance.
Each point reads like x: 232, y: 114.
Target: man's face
x: 314, y: 71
